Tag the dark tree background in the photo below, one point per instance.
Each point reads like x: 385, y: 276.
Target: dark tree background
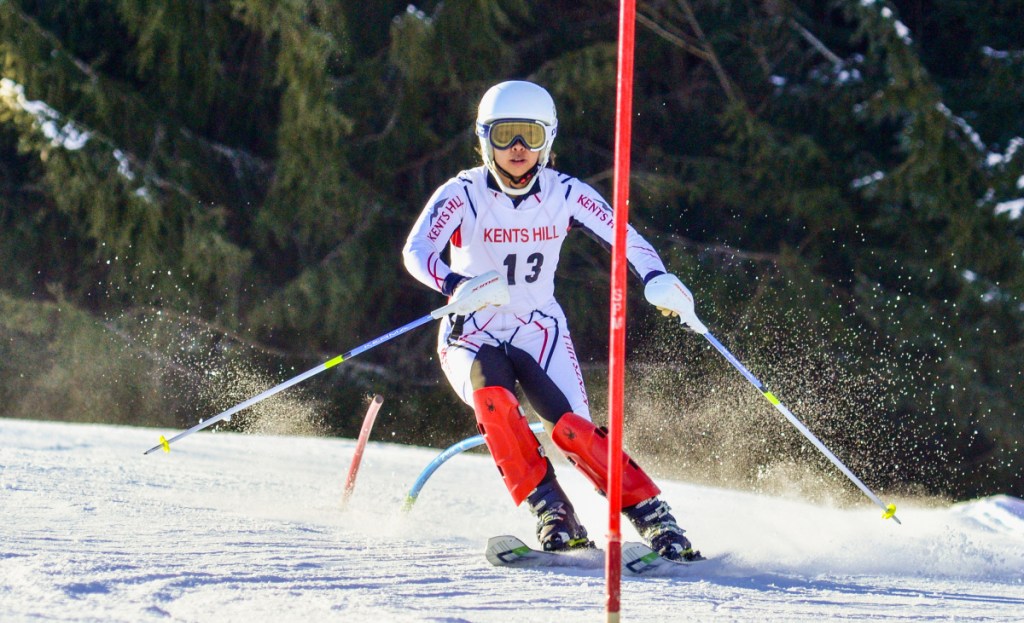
x: 199, y: 200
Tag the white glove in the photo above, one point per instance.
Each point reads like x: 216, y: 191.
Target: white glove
x: 670, y: 296
x: 476, y: 293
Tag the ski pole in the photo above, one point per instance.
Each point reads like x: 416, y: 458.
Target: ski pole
x: 670, y: 295
x: 487, y: 289
x: 889, y: 511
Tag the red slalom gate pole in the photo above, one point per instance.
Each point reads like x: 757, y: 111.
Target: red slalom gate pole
x: 617, y: 338
x: 364, y: 435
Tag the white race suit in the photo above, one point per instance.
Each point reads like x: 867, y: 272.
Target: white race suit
x: 522, y: 239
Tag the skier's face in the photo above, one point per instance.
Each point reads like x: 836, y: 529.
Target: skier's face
x: 517, y: 160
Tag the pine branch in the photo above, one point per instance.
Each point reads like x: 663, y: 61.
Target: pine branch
x: 816, y: 43
x: 677, y: 39
x: 723, y: 77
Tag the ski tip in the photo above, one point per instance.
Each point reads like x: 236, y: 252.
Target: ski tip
x: 505, y: 550
x: 505, y: 539
x: 639, y: 559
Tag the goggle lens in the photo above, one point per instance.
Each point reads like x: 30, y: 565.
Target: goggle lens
x: 504, y: 134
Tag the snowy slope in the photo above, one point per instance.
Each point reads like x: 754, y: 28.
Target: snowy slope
x: 250, y: 528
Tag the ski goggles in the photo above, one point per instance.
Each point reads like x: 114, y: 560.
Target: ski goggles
x: 503, y: 134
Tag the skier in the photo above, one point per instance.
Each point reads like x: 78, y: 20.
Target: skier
x: 512, y: 215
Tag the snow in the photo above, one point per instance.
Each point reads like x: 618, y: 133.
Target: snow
x: 968, y: 131
x: 69, y: 135
x: 124, y: 167
x: 995, y: 159
x: 1002, y: 55
x: 233, y: 527
x: 1013, y: 208
x: 868, y: 180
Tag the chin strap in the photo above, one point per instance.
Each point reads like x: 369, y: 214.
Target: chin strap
x: 525, y: 177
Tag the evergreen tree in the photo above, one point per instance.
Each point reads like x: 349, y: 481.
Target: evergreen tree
x: 840, y: 184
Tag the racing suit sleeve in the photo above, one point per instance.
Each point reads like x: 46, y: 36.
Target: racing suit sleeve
x: 440, y: 219
x: 590, y: 212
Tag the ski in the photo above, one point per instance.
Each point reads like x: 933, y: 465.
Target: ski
x: 510, y: 551
x: 637, y: 558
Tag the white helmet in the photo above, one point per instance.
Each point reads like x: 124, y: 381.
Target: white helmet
x: 518, y: 100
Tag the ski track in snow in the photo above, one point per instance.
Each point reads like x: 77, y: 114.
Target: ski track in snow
x: 233, y: 527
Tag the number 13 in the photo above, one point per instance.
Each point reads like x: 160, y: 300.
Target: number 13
x: 535, y: 260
